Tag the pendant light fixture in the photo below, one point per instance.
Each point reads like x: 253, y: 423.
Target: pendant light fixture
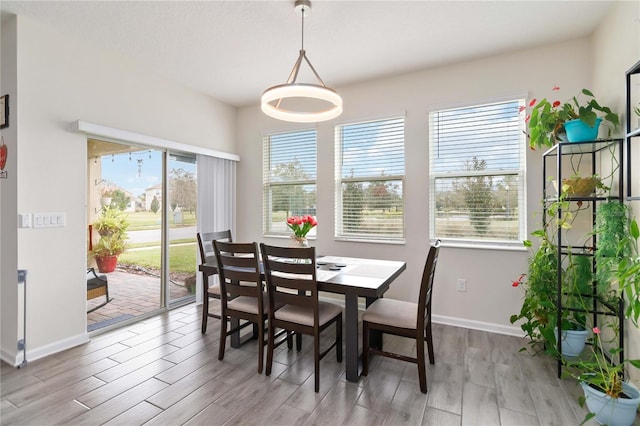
x: 302, y: 102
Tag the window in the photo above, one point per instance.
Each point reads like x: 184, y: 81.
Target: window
x: 477, y: 169
x: 289, y: 178
x: 370, y: 180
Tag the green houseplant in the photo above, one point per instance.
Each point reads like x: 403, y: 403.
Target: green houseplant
x: 111, y: 225
x: 547, y: 118
x: 538, y: 316
x: 609, y: 399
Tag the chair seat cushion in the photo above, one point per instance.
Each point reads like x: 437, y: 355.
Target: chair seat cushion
x: 95, y: 280
x: 214, y: 289
x: 299, y: 315
x: 395, y: 313
x: 245, y: 304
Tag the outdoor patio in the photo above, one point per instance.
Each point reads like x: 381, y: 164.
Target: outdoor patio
x: 132, y: 295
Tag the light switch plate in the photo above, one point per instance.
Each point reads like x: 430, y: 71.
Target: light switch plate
x: 24, y: 220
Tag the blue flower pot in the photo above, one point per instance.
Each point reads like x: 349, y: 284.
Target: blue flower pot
x: 573, y: 341
x: 579, y: 131
x: 612, y: 411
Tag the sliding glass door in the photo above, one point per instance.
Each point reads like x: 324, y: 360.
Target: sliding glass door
x: 182, y: 247
x: 153, y: 193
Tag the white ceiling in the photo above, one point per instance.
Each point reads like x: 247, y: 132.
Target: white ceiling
x: 233, y: 50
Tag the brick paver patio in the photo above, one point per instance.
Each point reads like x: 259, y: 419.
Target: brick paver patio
x: 132, y: 295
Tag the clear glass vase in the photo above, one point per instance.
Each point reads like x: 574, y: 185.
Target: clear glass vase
x: 299, y: 241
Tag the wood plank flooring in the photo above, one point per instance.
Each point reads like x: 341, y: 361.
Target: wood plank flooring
x: 163, y: 371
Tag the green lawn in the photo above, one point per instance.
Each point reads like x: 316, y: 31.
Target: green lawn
x: 182, y: 258
x: 149, y: 220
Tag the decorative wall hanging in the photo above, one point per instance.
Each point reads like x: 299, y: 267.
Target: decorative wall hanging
x: 3, y: 158
x: 4, y: 111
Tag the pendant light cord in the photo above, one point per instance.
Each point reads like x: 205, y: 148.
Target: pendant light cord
x: 302, y: 15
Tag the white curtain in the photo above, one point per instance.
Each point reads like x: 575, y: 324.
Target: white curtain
x: 216, y: 199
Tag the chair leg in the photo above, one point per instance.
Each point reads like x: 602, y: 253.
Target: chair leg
x: 365, y: 348
x: 316, y: 361
x: 289, y: 340
x: 422, y: 374
x: 339, y: 338
x: 205, y: 304
x: 270, y: 344
x: 260, y: 346
x: 223, y: 335
x: 298, y: 341
x: 430, y: 344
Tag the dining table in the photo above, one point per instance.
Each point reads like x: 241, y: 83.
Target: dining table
x: 353, y: 278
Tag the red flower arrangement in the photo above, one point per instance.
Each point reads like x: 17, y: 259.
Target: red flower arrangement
x: 301, y: 225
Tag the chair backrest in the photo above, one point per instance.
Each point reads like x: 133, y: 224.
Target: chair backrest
x: 426, y: 286
x: 205, y: 245
x: 290, y: 274
x: 239, y: 269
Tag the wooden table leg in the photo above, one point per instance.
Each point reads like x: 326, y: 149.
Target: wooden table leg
x: 352, y: 354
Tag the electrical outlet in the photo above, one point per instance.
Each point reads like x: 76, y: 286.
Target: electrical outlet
x: 462, y: 284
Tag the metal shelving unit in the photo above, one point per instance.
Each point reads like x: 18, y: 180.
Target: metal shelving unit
x: 632, y: 132
x: 554, y: 164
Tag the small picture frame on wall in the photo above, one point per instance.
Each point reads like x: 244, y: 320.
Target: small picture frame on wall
x: 4, y: 111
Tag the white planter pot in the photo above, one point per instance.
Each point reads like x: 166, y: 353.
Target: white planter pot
x: 612, y: 411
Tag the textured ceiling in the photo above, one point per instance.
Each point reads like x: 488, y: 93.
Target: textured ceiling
x: 233, y: 50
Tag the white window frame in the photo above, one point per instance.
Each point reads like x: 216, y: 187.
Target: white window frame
x: 520, y: 174
x: 342, y: 235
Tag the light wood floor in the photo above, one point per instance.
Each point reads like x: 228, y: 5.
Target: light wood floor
x: 163, y: 371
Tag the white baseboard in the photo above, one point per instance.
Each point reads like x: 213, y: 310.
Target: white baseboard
x: 52, y: 348
x: 11, y: 359
x: 508, y: 330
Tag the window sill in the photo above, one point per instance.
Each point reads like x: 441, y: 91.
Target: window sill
x: 371, y: 241
x: 482, y: 246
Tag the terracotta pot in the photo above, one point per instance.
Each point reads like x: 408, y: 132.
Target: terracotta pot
x: 107, y: 263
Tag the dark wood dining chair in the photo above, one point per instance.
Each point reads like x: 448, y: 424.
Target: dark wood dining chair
x: 207, y: 255
x: 290, y: 274
x: 242, y: 294
x: 405, y: 319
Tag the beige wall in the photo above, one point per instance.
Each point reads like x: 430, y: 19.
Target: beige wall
x: 9, y: 290
x: 490, y: 299
x: 59, y: 81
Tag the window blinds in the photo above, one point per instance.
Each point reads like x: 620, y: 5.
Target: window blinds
x: 477, y: 169
x: 289, y: 178
x: 370, y: 169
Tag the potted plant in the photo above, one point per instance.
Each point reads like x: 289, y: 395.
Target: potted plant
x: 107, y: 250
x: 538, y: 313
x: 576, y: 287
x: 301, y: 225
x: 111, y: 225
x: 609, y: 399
x: 547, y: 119
x: 106, y: 196
x: 579, y: 186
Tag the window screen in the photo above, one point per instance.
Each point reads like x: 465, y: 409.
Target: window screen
x: 477, y: 170
x: 370, y: 180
